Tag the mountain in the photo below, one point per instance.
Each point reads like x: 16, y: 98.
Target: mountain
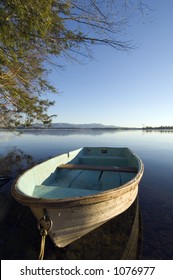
x: 81, y: 126
x: 75, y: 126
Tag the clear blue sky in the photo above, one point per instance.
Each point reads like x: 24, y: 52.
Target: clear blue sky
x: 119, y: 88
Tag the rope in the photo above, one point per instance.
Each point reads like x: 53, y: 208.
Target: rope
x: 43, y: 233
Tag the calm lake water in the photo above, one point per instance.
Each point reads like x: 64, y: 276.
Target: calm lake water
x: 150, y: 228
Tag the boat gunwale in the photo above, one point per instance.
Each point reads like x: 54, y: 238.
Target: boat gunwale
x: 76, y: 201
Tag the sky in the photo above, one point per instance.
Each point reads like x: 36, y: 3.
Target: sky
x: 130, y: 89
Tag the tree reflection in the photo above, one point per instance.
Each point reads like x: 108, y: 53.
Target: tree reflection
x: 15, y: 162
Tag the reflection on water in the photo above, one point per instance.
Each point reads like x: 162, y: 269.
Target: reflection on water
x: 155, y: 197
x: 158, y: 130
x: 64, y: 132
x: 14, y: 163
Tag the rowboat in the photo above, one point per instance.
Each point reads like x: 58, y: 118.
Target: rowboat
x: 76, y: 192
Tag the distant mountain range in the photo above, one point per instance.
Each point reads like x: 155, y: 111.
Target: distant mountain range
x: 88, y: 126
x: 77, y: 126
x: 72, y: 126
x: 81, y: 126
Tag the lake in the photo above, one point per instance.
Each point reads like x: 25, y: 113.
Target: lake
x: 149, y: 234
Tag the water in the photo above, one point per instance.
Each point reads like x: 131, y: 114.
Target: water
x: 154, y: 218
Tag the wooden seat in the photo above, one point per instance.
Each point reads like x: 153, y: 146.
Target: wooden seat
x: 98, y: 168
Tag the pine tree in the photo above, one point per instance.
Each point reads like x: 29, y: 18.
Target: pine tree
x: 35, y: 31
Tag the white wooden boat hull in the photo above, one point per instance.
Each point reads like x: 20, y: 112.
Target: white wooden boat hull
x: 73, y: 218
x: 72, y: 223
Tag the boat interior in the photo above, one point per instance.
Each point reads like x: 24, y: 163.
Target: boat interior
x: 83, y: 172
x: 91, y: 171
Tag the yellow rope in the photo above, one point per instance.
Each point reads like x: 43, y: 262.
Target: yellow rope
x: 43, y: 238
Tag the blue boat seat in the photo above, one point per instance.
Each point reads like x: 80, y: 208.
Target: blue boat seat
x: 42, y: 191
